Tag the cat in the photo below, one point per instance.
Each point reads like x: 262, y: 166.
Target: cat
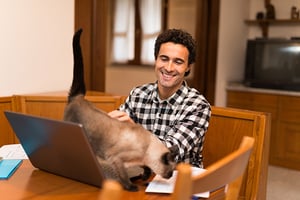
x: 117, y: 145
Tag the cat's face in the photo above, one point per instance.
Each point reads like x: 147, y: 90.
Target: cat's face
x: 166, y: 163
x: 169, y: 164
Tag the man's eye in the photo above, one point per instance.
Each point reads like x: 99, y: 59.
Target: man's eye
x: 179, y: 62
x: 164, y: 58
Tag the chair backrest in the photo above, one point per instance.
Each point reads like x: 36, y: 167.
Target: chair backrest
x: 50, y: 104
x: 111, y: 190
x: 228, y: 170
x: 226, y: 129
x: 6, y: 132
x: 53, y: 106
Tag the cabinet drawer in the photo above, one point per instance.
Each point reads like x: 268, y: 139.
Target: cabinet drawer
x: 253, y: 101
x: 239, y: 98
x: 272, y: 110
x: 289, y: 102
x: 251, y: 97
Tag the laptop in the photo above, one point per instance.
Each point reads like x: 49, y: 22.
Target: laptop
x: 58, y: 147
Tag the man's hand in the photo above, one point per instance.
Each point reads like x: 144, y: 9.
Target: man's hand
x: 120, y: 115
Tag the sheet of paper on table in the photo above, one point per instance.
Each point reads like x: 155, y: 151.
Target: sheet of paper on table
x: 13, y: 151
x: 161, y: 185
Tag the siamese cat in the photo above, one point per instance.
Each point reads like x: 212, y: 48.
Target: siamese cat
x: 117, y: 145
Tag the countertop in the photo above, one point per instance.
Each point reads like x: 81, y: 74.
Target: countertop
x: 236, y: 86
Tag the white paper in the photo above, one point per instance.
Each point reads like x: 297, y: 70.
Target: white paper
x: 161, y: 185
x: 12, y: 151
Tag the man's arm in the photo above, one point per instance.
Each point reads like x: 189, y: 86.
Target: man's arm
x: 188, y: 132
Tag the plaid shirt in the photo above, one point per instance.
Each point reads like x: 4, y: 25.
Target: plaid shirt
x: 180, y: 120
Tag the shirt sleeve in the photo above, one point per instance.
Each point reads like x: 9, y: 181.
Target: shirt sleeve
x: 126, y: 107
x: 188, y: 132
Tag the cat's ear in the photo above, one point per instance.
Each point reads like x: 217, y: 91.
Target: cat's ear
x: 173, y: 152
x: 169, y: 157
x: 166, y: 158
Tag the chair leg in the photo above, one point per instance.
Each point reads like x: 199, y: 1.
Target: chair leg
x: 111, y: 190
x: 183, y: 186
x: 233, y: 189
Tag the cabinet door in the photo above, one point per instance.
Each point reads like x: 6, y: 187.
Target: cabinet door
x: 288, y: 145
x: 289, y: 109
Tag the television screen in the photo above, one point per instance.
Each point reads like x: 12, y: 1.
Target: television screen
x: 273, y: 63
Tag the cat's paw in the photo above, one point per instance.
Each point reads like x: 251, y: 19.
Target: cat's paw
x: 131, y: 188
x: 147, y: 173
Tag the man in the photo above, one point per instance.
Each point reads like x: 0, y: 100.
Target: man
x: 176, y: 114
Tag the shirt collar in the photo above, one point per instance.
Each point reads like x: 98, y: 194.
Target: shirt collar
x: 175, y: 99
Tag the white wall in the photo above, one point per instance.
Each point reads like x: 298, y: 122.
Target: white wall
x: 121, y: 80
x: 231, y: 45
x: 35, y: 45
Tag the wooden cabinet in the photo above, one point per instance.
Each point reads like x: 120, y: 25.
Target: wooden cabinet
x: 285, y: 125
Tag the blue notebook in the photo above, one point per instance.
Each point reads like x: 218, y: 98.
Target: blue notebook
x: 8, y: 167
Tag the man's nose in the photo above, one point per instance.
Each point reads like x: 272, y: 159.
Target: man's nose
x: 169, y: 66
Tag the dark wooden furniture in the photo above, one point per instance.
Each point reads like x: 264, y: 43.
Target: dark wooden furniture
x: 227, y: 171
x: 226, y: 129
x: 284, y: 107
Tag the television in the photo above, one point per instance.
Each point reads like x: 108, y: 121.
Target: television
x: 273, y: 64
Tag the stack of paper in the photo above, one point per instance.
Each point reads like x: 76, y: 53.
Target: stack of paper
x: 11, y: 157
x: 161, y: 185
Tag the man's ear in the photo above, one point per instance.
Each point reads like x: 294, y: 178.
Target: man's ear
x: 188, y: 71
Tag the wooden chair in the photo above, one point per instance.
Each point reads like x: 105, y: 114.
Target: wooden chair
x: 227, y: 127
x: 6, y: 132
x: 51, y: 105
x: 111, y: 190
x: 229, y: 170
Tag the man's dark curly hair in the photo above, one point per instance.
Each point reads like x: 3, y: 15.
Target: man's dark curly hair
x: 177, y: 36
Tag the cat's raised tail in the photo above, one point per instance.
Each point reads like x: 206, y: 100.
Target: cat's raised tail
x: 78, y: 85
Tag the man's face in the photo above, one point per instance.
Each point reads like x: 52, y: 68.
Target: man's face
x: 170, y: 67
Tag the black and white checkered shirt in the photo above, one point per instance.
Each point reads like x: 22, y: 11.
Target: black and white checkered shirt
x: 180, y: 120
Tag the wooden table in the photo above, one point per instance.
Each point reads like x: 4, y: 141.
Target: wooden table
x: 30, y: 183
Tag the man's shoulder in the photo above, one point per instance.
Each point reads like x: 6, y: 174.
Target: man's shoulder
x: 145, y: 89
x: 194, y: 98
x: 192, y: 93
